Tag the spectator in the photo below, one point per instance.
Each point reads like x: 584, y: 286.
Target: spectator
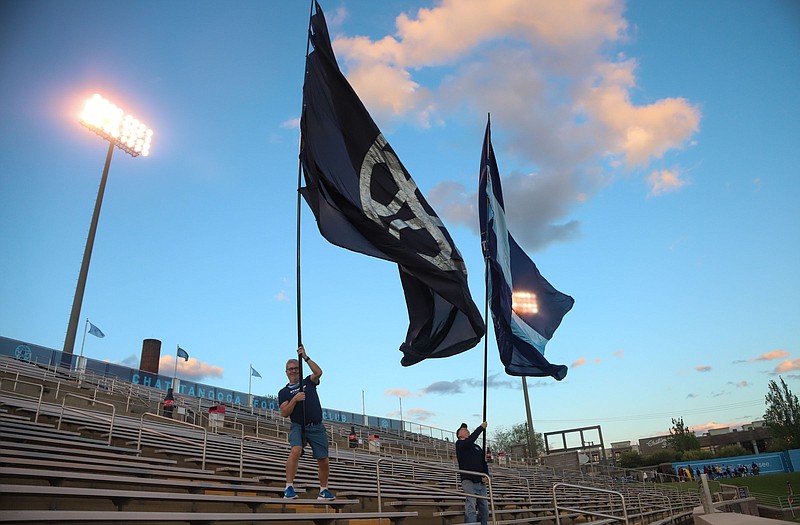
x: 471, y: 457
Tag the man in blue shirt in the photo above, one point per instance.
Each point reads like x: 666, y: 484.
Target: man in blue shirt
x: 471, y: 457
x: 301, y: 404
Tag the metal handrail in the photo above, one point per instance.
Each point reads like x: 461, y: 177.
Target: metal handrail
x: 92, y: 401
x: 556, y: 506
x: 41, y: 393
x: 241, y: 447
x: 490, y: 497
x: 169, y: 419
x: 657, y: 494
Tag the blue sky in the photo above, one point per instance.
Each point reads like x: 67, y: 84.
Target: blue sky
x: 649, y: 154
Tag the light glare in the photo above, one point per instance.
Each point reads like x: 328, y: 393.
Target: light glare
x: 524, y: 303
x: 111, y: 123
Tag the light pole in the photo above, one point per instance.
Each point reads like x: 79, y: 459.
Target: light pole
x: 132, y: 137
x: 526, y: 303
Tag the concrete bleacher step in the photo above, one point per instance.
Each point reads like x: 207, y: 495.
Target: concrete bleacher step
x: 69, y: 516
x: 75, y: 497
x: 36, y: 449
x: 58, y: 477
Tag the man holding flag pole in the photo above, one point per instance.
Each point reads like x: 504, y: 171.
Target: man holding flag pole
x: 299, y: 401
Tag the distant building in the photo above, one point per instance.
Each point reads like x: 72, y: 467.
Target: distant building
x: 620, y: 447
x: 653, y: 444
x: 753, y: 437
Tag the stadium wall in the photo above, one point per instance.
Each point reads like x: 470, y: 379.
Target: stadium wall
x: 50, y: 358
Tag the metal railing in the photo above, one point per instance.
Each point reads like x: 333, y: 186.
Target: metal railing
x: 176, y: 438
x: 41, y: 393
x: 89, y: 413
x: 557, y: 507
x: 490, y: 497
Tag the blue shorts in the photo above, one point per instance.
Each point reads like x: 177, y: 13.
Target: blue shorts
x: 316, y: 436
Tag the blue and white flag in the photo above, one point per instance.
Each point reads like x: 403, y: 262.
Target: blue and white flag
x: 183, y: 353
x: 526, y: 309
x: 95, y: 331
x: 254, y: 372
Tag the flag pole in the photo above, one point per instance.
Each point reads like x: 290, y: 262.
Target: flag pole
x: 531, y: 438
x: 485, y: 341
x: 486, y: 312
x: 175, y: 372
x: 250, y: 388
x: 83, y: 341
x: 299, y: 198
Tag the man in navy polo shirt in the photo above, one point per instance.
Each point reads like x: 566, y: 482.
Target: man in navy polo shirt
x: 302, y: 406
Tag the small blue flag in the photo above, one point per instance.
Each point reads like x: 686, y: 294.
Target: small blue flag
x: 254, y: 372
x: 526, y: 309
x: 95, y: 331
x: 183, y: 353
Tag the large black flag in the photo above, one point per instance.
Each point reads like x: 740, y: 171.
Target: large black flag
x: 365, y: 200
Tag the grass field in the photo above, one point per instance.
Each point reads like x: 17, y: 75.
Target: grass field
x: 771, y: 485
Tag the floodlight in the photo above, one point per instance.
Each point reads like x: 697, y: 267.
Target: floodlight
x: 131, y: 136
x: 111, y: 123
x: 524, y: 303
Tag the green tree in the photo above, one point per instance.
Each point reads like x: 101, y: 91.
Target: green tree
x: 783, y: 416
x: 504, y: 438
x: 694, y: 455
x: 661, y: 456
x: 629, y: 460
x: 731, y: 451
x: 681, y: 437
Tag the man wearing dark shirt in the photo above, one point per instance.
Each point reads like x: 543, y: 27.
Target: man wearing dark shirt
x: 302, y: 406
x: 471, y: 457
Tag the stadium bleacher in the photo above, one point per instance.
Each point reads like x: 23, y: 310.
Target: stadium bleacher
x: 91, y: 450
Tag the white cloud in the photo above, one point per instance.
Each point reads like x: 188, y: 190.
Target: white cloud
x: 787, y: 366
x: 771, y: 355
x: 545, y: 72
x: 292, y: 123
x: 664, y: 181
x: 192, y: 369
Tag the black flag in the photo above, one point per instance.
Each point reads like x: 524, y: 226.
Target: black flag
x: 365, y: 200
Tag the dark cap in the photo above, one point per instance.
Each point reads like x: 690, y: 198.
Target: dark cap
x: 463, y: 425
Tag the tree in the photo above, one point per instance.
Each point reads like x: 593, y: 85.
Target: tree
x: 630, y: 460
x: 731, y: 451
x: 504, y: 438
x: 681, y: 437
x: 665, y: 455
x: 783, y: 416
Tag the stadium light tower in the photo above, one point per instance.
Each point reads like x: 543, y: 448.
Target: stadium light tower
x: 131, y: 136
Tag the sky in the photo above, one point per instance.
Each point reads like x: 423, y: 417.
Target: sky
x: 649, y: 158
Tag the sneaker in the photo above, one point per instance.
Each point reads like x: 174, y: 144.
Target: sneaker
x: 326, y: 495
x: 289, y: 493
